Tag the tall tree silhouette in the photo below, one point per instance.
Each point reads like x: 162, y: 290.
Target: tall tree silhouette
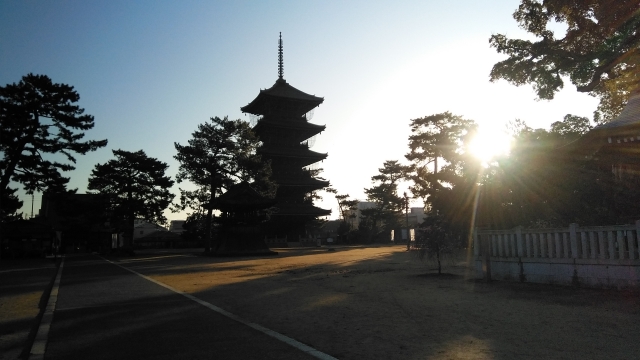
x: 138, y: 186
x: 220, y: 153
x: 40, y: 127
x: 40, y: 118
x: 436, y: 147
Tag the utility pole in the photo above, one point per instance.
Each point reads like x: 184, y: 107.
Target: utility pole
x: 406, y: 214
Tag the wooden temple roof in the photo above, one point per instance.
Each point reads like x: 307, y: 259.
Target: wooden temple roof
x: 242, y: 197
x: 630, y: 115
x: 299, y: 124
x: 309, y: 181
x: 281, y: 91
x: 285, y: 209
x: 299, y: 152
x: 623, y: 129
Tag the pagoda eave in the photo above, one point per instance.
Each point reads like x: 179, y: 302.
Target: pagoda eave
x: 281, y: 92
x: 300, y: 210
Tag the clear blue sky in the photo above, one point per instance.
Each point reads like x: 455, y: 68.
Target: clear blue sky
x: 150, y: 71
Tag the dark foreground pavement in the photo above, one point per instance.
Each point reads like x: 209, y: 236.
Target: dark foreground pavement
x: 106, y: 312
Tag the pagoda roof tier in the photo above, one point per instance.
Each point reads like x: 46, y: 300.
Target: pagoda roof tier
x: 281, y: 93
x: 242, y: 197
x: 304, y: 127
x: 299, y: 210
x: 292, y: 152
x: 302, y: 182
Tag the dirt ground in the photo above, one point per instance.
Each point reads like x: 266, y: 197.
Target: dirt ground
x: 384, y: 303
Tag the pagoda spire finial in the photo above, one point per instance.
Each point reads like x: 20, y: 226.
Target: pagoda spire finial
x: 280, y: 62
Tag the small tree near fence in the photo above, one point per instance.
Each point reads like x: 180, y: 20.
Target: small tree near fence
x: 435, y: 239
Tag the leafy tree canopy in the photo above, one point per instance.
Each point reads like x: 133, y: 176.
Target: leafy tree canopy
x: 384, y: 193
x: 220, y: 153
x: 599, y: 52
x: 40, y: 118
x: 436, y: 150
x: 138, y: 186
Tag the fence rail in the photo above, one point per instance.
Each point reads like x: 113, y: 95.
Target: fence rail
x: 597, y: 255
x: 593, y: 242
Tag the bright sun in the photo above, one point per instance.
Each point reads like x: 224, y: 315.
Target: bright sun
x: 489, y: 144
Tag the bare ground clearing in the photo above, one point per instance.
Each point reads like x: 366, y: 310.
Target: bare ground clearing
x: 383, y: 303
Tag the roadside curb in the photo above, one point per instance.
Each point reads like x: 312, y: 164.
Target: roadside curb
x: 39, y: 344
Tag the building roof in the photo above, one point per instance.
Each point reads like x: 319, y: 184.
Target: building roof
x: 242, y: 197
x: 626, y: 127
x: 303, y: 181
x: 299, y: 210
x: 306, y: 128
x: 301, y: 152
x: 281, y: 91
x: 630, y: 115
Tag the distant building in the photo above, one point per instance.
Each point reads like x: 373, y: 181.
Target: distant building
x: 416, y: 215
x: 176, y: 226
x: 142, y: 228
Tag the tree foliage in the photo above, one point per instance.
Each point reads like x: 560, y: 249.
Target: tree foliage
x: 348, y: 208
x: 41, y: 127
x: 436, y: 238
x: 10, y: 205
x: 599, y: 52
x: 220, y: 153
x: 436, y: 151
x: 544, y: 183
x: 388, y: 205
x: 137, y: 185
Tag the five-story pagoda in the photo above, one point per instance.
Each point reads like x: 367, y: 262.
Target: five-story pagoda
x: 282, y: 125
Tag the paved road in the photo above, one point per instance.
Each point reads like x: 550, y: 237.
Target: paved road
x: 106, y: 312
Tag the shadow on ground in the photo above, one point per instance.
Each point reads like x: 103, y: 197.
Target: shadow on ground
x: 383, y: 303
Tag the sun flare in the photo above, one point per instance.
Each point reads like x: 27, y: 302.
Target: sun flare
x: 487, y: 145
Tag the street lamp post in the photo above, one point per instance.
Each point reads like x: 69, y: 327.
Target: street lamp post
x: 406, y: 214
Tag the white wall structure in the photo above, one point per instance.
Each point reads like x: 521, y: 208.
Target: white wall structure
x: 416, y: 216
x: 606, y: 256
x: 142, y: 228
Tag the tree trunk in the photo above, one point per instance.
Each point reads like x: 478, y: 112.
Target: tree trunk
x: 207, y: 229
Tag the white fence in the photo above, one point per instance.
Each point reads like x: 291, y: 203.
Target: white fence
x: 606, y: 256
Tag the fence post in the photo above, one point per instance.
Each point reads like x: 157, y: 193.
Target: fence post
x: 573, y: 237
x: 476, y: 244
x: 519, y: 241
x: 602, y: 240
x: 612, y: 248
x: 486, y: 253
x: 632, y: 241
x: 631, y: 245
x: 585, y: 245
x: 621, y: 247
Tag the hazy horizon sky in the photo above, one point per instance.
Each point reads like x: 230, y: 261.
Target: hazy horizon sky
x: 151, y: 71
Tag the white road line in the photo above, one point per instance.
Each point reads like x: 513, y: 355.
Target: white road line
x: 290, y: 341
x: 40, y: 343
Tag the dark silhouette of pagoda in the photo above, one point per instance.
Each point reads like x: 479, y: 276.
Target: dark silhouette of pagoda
x: 282, y: 113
